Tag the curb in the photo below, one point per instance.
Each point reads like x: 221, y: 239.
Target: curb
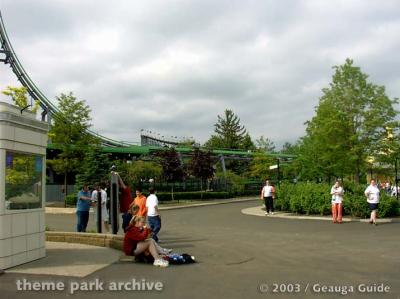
x: 51, y: 210
x: 259, y: 211
x: 102, y: 240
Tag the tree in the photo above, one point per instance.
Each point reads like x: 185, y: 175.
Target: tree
x: 141, y: 170
x: 259, y: 165
x: 19, y: 96
x: 95, y: 168
x: 201, y: 165
x: 172, y: 166
x: 349, y: 125
x: 69, y: 134
x: 265, y: 144
x: 230, y: 133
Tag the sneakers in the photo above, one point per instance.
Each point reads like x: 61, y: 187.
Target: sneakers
x: 266, y: 214
x: 161, y: 263
x: 272, y: 213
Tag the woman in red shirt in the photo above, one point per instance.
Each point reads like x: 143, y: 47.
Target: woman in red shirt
x: 137, y: 240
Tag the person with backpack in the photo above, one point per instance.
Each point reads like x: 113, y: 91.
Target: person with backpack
x: 137, y: 241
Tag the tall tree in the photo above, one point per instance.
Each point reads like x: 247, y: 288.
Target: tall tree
x: 350, y: 123
x: 19, y: 95
x: 95, y: 167
x: 69, y: 134
x: 265, y: 144
x: 201, y: 165
x: 172, y: 166
x: 229, y: 133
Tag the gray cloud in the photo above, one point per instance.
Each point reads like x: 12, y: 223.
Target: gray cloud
x: 172, y: 66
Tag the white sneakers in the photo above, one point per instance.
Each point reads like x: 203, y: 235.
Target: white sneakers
x: 161, y: 263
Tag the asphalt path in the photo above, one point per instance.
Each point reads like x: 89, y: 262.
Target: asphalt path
x: 240, y: 254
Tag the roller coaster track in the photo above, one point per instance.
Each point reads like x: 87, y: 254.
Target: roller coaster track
x: 48, y: 107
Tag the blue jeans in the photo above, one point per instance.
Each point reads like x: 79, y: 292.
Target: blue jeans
x: 83, y: 218
x: 155, y: 225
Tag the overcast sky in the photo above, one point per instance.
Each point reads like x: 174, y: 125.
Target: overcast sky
x: 172, y: 66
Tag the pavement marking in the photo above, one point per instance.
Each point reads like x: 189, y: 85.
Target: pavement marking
x: 69, y: 259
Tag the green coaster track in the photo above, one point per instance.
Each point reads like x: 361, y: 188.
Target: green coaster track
x: 48, y: 107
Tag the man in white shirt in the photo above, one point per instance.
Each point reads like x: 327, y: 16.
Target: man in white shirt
x: 372, y: 194
x: 153, y: 215
x: 267, y: 193
x: 104, y: 212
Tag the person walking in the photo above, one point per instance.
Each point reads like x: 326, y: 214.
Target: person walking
x: 82, y: 209
x: 337, y: 193
x: 267, y: 193
x: 153, y: 214
x: 372, y: 193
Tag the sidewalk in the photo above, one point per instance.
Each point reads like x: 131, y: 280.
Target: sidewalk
x: 260, y: 211
x: 69, y: 259
x: 53, y: 210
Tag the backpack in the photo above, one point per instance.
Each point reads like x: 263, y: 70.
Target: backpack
x: 180, y: 259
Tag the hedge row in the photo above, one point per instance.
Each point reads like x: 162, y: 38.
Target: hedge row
x: 166, y: 196
x: 313, y: 198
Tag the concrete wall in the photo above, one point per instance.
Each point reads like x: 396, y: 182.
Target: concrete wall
x: 22, y: 232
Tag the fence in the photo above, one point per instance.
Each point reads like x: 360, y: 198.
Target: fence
x: 55, y: 193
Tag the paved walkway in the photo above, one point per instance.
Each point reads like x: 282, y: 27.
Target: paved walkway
x: 260, y: 211
x: 242, y: 256
x: 163, y: 207
x: 67, y: 259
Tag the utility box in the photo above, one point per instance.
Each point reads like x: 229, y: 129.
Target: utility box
x: 23, y: 141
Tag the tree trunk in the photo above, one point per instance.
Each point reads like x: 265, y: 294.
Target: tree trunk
x: 357, y: 174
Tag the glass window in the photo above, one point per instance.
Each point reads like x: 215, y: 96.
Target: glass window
x: 23, y: 181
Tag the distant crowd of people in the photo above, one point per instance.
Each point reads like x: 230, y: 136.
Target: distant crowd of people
x: 372, y: 193
x: 141, y: 220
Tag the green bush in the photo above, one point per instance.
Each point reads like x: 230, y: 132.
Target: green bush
x: 313, y: 198
x: 388, y: 206
x: 71, y: 199
x: 200, y: 195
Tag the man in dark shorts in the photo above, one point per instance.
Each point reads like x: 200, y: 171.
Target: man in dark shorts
x: 372, y: 194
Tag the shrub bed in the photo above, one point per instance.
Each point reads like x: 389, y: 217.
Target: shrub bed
x: 313, y: 198
x: 200, y: 195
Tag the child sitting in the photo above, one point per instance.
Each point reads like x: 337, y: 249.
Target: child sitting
x: 137, y: 241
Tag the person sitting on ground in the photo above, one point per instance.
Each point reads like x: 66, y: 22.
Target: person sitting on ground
x: 137, y: 242
x: 140, y: 201
x: 126, y: 218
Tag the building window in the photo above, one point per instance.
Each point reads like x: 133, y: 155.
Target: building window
x: 23, y: 181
